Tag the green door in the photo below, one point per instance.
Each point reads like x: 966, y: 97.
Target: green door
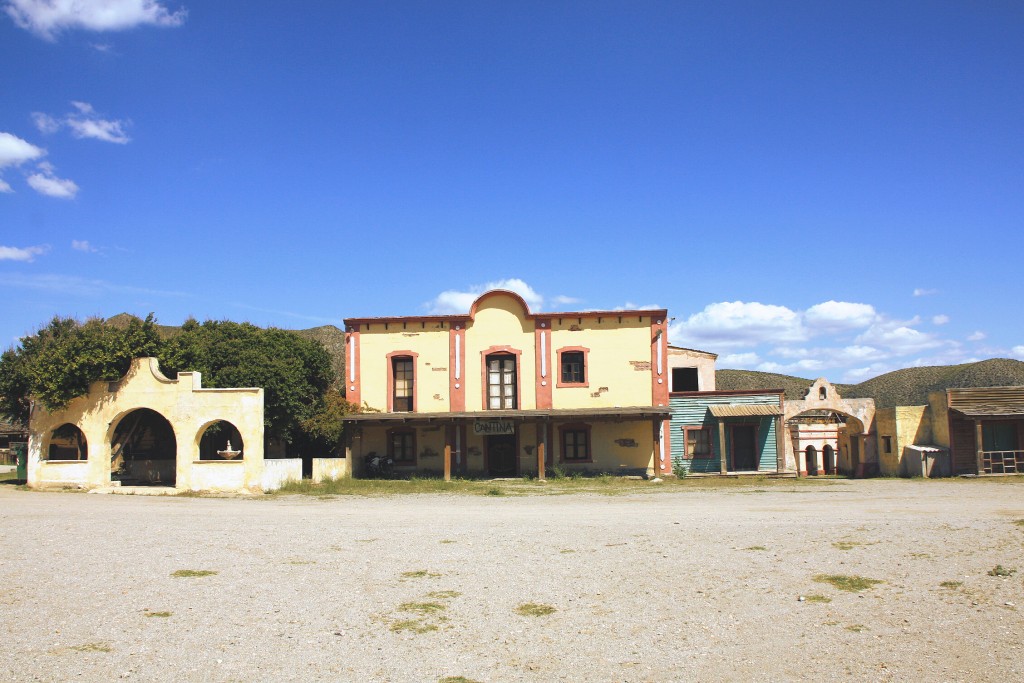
x: 21, y: 460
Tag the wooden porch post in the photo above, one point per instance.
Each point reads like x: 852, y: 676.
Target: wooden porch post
x: 348, y: 451
x: 542, y: 435
x: 448, y: 453
x: 722, y: 455
x: 780, y: 445
x: 978, y: 440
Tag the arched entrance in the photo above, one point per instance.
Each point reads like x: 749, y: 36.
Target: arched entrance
x: 221, y: 440
x: 828, y: 459
x: 811, y: 457
x: 143, y: 450
x: 67, y: 442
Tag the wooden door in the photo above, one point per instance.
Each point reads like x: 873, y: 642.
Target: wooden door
x: 744, y: 448
x: 501, y: 455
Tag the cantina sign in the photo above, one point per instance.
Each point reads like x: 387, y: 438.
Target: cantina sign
x: 490, y: 427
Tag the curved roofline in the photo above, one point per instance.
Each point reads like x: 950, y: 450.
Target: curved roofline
x: 462, y: 317
x: 499, y: 292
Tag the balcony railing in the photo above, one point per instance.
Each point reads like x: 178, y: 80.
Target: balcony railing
x: 1002, y: 462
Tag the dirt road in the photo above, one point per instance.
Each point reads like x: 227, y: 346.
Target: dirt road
x: 701, y: 584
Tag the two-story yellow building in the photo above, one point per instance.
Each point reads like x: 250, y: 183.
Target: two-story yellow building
x: 500, y: 390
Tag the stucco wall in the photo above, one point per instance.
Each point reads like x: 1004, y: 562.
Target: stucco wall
x: 689, y: 358
x: 188, y: 407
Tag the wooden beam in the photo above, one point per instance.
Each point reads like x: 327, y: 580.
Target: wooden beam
x: 978, y: 441
x: 780, y: 445
x: 540, y: 460
x: 448, y: 453
x: 722, y: 455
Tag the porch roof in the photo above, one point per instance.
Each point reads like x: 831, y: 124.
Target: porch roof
x: 987, y: 401
x: 744, y: 410
x: 618, y: 413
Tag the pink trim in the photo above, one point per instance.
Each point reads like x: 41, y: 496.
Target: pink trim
x: 667, y: 431
x: 457, y: 387
x: 353, y: 387
x: 659, y: 346
x: 586, y: 367
x: 391, y: 377
x: 542, y: 385
x: 506, y: 350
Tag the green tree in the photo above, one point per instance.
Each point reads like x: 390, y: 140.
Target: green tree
x: 61, y: 360
x: 293, y: 372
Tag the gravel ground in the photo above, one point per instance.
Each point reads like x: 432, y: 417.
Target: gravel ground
x: 696, y: 584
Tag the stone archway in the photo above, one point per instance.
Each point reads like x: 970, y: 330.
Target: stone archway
x: 67, y: 443
x: 811, y: 460
x: 220, y: 440
x: 855, y: 454
x: 143, y: 449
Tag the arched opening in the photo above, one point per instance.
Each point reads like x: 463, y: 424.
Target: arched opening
x: 822, y: 393
x: 835, y: 437
x: 828, y: 459
x: 811, y: 456
x: 221, y: 440
x: 143, y: 450
x: 67, y: 442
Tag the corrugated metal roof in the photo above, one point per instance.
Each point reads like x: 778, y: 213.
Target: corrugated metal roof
x: 987, y: 401
x: 744, y: 409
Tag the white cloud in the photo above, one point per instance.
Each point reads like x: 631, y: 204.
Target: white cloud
x: 455, y: 301
x: 799, y: 368
x: 84, y: 123
x: 47, y: 18
x: 977, y: 335
x: 563, y: 300
x: 75, y: 286
x: 46, y: 182
x: 920, y: 291
x: 940, y: 319
x: 739, y: 360
x: 897, y: 337
x: 83, y: 245
x: 4, y: 187
x: 836, y: 316
x: 22, y: 253
x: 1018, y: 351
x: 630, y: 306
x: 737, y: 323
x: 15, y: 151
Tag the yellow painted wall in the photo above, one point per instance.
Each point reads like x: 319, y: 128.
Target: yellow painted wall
x: 429, y: 340
x: 183, y: 402
x: 500, y: 321
x: 618, y: 363
x: 939, y: 418
x: 906, y: 426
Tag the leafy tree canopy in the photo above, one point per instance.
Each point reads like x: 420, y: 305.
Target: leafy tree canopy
x: 60, y: 361
x: 293, y: 372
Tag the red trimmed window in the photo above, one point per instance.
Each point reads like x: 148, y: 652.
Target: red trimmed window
x: 572, y: 367
x: 697, y: 443
x: 575, y: 442
x: 501, y: 382
x: 402, y: 384
x: 402, y: 446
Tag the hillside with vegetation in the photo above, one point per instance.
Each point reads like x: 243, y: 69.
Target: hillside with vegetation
x: 906, y: 387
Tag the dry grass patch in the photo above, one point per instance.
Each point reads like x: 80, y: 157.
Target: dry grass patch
x: 756, y: 547
x: 818, y: 598
x: 157, y: 614
x: 1000, y: 570
x: 456, y: 679
x: 844, y: 582
x: 533, y: 609
x: 951, y: 584
x: 443, y: 595
x: 422, y: 607
x: 96, y: 646
x: 419, y: 574
x: 857, y: 628
x: 413, y: 625
x: 192, y: 573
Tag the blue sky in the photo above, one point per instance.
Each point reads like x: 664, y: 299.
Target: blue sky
x: 812, y: 188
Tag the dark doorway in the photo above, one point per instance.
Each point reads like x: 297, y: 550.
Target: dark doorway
x: 744, y: 448
x: 143, y: 450
x: 684, y: 379
x: 828, y: 459
x: 501, y: 455
x: 812, y: 461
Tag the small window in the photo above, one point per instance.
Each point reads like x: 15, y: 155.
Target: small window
x: 684, y: 379
x: 402, y: 377
x: 887, y: 444
x: 822, y: 393
x: 573, y: 370
x: 698, y: 443
x: 402, y: 446
x: 575, y: 444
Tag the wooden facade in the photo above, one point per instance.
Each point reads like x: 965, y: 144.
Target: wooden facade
x: 986, y: 430
x: 723, y: 432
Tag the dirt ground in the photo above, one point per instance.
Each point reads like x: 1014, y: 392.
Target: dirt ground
x: 694, y: 584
